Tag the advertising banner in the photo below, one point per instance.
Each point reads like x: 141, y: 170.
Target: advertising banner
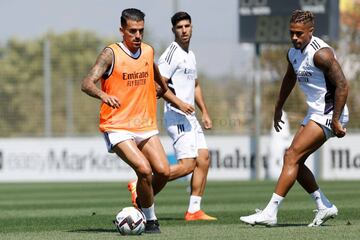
x: 59, y: 159
x: 86, y: 159
x: 341, y: 158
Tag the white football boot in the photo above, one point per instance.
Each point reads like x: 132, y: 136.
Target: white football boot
x: 322, y: 215
x: 259, y: 218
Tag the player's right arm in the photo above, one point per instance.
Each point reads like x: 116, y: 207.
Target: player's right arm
x: 325, y: 60
x: 88, y: 84
x: 287, y: 86
x: 166, y: 94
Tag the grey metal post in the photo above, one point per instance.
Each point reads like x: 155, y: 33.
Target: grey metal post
x: 175, y: 6
x: 257, y: 105
x: 69, y: 107
x: 47, y: 89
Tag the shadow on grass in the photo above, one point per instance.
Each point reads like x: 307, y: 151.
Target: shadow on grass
x: 104, y: 230
x: 291, y: 225
x: 280, y: 225
x: 171, y: 219
x: 94, y: 230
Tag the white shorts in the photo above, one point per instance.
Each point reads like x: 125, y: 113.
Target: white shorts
x: 186, y: 133
x: 325, y: 122
x: 113, y: 138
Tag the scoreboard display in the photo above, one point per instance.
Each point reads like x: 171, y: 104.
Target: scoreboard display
x: 267, y: 21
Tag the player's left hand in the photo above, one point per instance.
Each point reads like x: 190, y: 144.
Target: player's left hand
x: 206, y: 121
x: 159, y: 91
x: 187, y: 108
x: 338, y: 130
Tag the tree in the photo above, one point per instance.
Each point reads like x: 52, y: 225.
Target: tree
x: 21, y: 91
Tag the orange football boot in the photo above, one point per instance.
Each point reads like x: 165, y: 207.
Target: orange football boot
x: 199, y: 215
x: 132, y: 190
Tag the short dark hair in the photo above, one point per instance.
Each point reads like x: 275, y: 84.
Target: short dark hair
x: 177, y: 17
x: 132, y: 14
x: 301, y: 16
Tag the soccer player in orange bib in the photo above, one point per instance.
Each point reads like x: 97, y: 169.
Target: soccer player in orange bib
x: 128, y: 110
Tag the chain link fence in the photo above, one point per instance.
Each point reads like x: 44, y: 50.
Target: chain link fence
x: 40, y: 90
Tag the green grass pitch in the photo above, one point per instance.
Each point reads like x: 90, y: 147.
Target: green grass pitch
x: 86, y: 211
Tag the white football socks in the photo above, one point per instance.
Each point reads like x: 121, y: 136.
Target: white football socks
x: 273, y: 206
x: 321, y: 200
x: 149, y: 212
x: 194, y: 204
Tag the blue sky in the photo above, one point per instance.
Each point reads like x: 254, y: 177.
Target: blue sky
x: 215, y: 33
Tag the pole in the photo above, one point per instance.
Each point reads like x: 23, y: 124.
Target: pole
x: 47, y: 89
x: 257, y: 112
x: 175, y: 6
x: 69, y: 107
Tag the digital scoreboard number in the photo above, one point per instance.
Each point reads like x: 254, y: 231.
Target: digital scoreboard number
x: 267, y: 21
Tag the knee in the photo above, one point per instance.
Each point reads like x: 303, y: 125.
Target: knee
x: 290, y: 156
x: 203, y: 161
x: 163, y: 172
x: 187, y: 166
x: 144, y: 172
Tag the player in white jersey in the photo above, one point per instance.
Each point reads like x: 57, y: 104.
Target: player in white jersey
x: 318, y: 89
x: 178, y: 66
x: 312, y: 63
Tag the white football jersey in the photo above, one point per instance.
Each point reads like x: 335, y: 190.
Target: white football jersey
x: 319, y: 91
x: 179, y: 67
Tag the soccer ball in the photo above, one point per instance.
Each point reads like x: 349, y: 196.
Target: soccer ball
x: 130, y: 221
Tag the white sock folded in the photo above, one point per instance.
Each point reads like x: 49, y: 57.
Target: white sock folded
x: 149, y: 212
x: 194, y: 204
x: 273, y: 206
x: 320, y: 199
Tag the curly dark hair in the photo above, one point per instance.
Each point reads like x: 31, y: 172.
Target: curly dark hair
x: 301, y: 16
